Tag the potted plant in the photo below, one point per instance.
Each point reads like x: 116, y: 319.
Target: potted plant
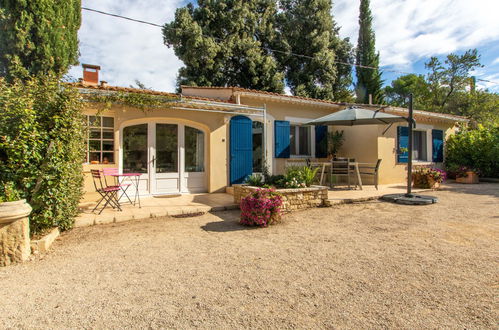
x: 425, y: 177
x: 465, y: 174
x: 12, y: 206
x: 335, y: 142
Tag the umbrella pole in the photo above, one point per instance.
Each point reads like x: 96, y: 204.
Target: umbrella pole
x: 409, y: 160
x: 409, y: 198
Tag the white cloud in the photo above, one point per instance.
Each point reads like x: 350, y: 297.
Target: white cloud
x: 127, y: 50
x: 407, y: 31
x: 496, y: 61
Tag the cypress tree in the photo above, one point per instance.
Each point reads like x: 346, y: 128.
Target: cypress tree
x: 226, y: 42
x: 308, y: 28
x: 368, y: 80
x: 38, y: 37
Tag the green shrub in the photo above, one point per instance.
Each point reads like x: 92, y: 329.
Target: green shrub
x: 254, y: 180
x: 9, y: 192
x: 299, y: 177
x: 474, y: 148
x: 42, y: 143
x: 277, y: 181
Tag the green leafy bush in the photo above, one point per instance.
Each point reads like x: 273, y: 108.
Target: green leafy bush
x: 254, y: 180
x: 42, y: 143
x: 9, y: 192
x: 299, y: 177
x: 474, y: 148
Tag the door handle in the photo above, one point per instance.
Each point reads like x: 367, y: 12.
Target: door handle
x: 153, y: 161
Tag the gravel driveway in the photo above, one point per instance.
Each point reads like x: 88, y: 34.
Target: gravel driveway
x: 373, y: 265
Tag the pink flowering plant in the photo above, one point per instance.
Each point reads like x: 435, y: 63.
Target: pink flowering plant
x: 426, y: 177
x: 261, y: 208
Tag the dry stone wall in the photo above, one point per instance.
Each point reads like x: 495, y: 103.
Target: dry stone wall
x: 293, y: 199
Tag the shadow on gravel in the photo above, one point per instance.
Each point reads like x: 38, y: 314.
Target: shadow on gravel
x: 490, y: 189
x: 228, y: 223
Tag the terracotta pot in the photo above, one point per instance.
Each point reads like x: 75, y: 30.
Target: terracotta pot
x: 470, y: 178
x: 12, y: 211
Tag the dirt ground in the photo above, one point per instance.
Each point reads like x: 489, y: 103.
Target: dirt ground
x: 372, y: 265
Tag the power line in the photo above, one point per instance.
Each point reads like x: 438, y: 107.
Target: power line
x: 119, y: 16
x: 266, y: 48
x: 220, y: 39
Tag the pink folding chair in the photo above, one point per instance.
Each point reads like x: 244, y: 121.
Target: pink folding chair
x: 109, y: 195
x: 114, y: 172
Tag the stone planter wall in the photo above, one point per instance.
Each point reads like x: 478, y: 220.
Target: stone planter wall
x: 293, y: 199
x: 14, y: 232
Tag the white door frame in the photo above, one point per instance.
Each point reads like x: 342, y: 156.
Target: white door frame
x: 183, y: 176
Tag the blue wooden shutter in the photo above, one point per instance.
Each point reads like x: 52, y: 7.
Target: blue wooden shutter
x: 321, y: 141
x: 437, y: 137
x: 241, y: 148
x: 402, y: 142
x: 281, y: 132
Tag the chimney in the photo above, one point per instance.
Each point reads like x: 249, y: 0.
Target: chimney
x: 91, y: 74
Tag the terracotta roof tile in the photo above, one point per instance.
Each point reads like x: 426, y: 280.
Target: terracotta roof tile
x: 141, y: 91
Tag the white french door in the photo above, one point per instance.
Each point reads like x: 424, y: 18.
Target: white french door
x: 170, y: 156
x: 165, y: 147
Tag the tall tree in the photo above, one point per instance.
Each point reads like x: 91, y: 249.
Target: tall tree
x: 447, y: 87
x: 38, y: 37
x: 398, y: 93
x: 308, y: 29
x: 452, y: 76
x: 368, y: 80
x: 226, y: 42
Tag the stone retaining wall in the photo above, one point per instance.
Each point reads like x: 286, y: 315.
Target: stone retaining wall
x: 293, y: 199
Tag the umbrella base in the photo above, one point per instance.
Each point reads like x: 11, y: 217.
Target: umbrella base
x: 410, y: 199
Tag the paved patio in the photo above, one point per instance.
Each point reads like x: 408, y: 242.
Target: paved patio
x: 344, y: 196
x: 153, y: 207
x: 201, y: 203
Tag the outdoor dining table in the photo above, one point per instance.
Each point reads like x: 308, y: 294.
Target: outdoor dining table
x: 354, y: 165
x: 134, y: 178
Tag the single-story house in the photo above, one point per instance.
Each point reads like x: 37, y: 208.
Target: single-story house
x: 213, y: 137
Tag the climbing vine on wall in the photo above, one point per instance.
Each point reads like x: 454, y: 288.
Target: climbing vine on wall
x: 136, y: 100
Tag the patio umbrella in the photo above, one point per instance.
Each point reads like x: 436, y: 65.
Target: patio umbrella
x: 357, y: 116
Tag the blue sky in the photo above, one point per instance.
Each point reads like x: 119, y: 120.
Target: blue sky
x: 408, y: 33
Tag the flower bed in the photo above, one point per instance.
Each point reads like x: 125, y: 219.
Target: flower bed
x: 292, y: 199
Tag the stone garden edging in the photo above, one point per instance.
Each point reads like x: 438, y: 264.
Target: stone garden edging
x: 43, y: 244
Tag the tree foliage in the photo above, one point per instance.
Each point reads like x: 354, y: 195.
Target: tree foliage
x: 308, y: 29
x: 38, y: 37
x: 475, y: 148
x: 226, y: 43
x: 368, y: 80
x: 448, y: 88
x: 42, y: 145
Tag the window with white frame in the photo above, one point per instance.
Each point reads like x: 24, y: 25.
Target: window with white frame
x: 300, y: 139
x: 100, y: 143
x: 420, y: 151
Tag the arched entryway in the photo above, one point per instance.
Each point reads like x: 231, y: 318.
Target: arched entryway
x: 170, y: 156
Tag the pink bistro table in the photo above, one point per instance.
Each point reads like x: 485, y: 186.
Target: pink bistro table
x: 134, y: 179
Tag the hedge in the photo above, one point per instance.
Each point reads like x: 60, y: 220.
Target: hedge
x: 476, y: 148
x: 42, y: 143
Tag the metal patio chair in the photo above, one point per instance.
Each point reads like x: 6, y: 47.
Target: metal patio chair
x: 109, y: 195
x: 342, y: 167
x: 370, y: 169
